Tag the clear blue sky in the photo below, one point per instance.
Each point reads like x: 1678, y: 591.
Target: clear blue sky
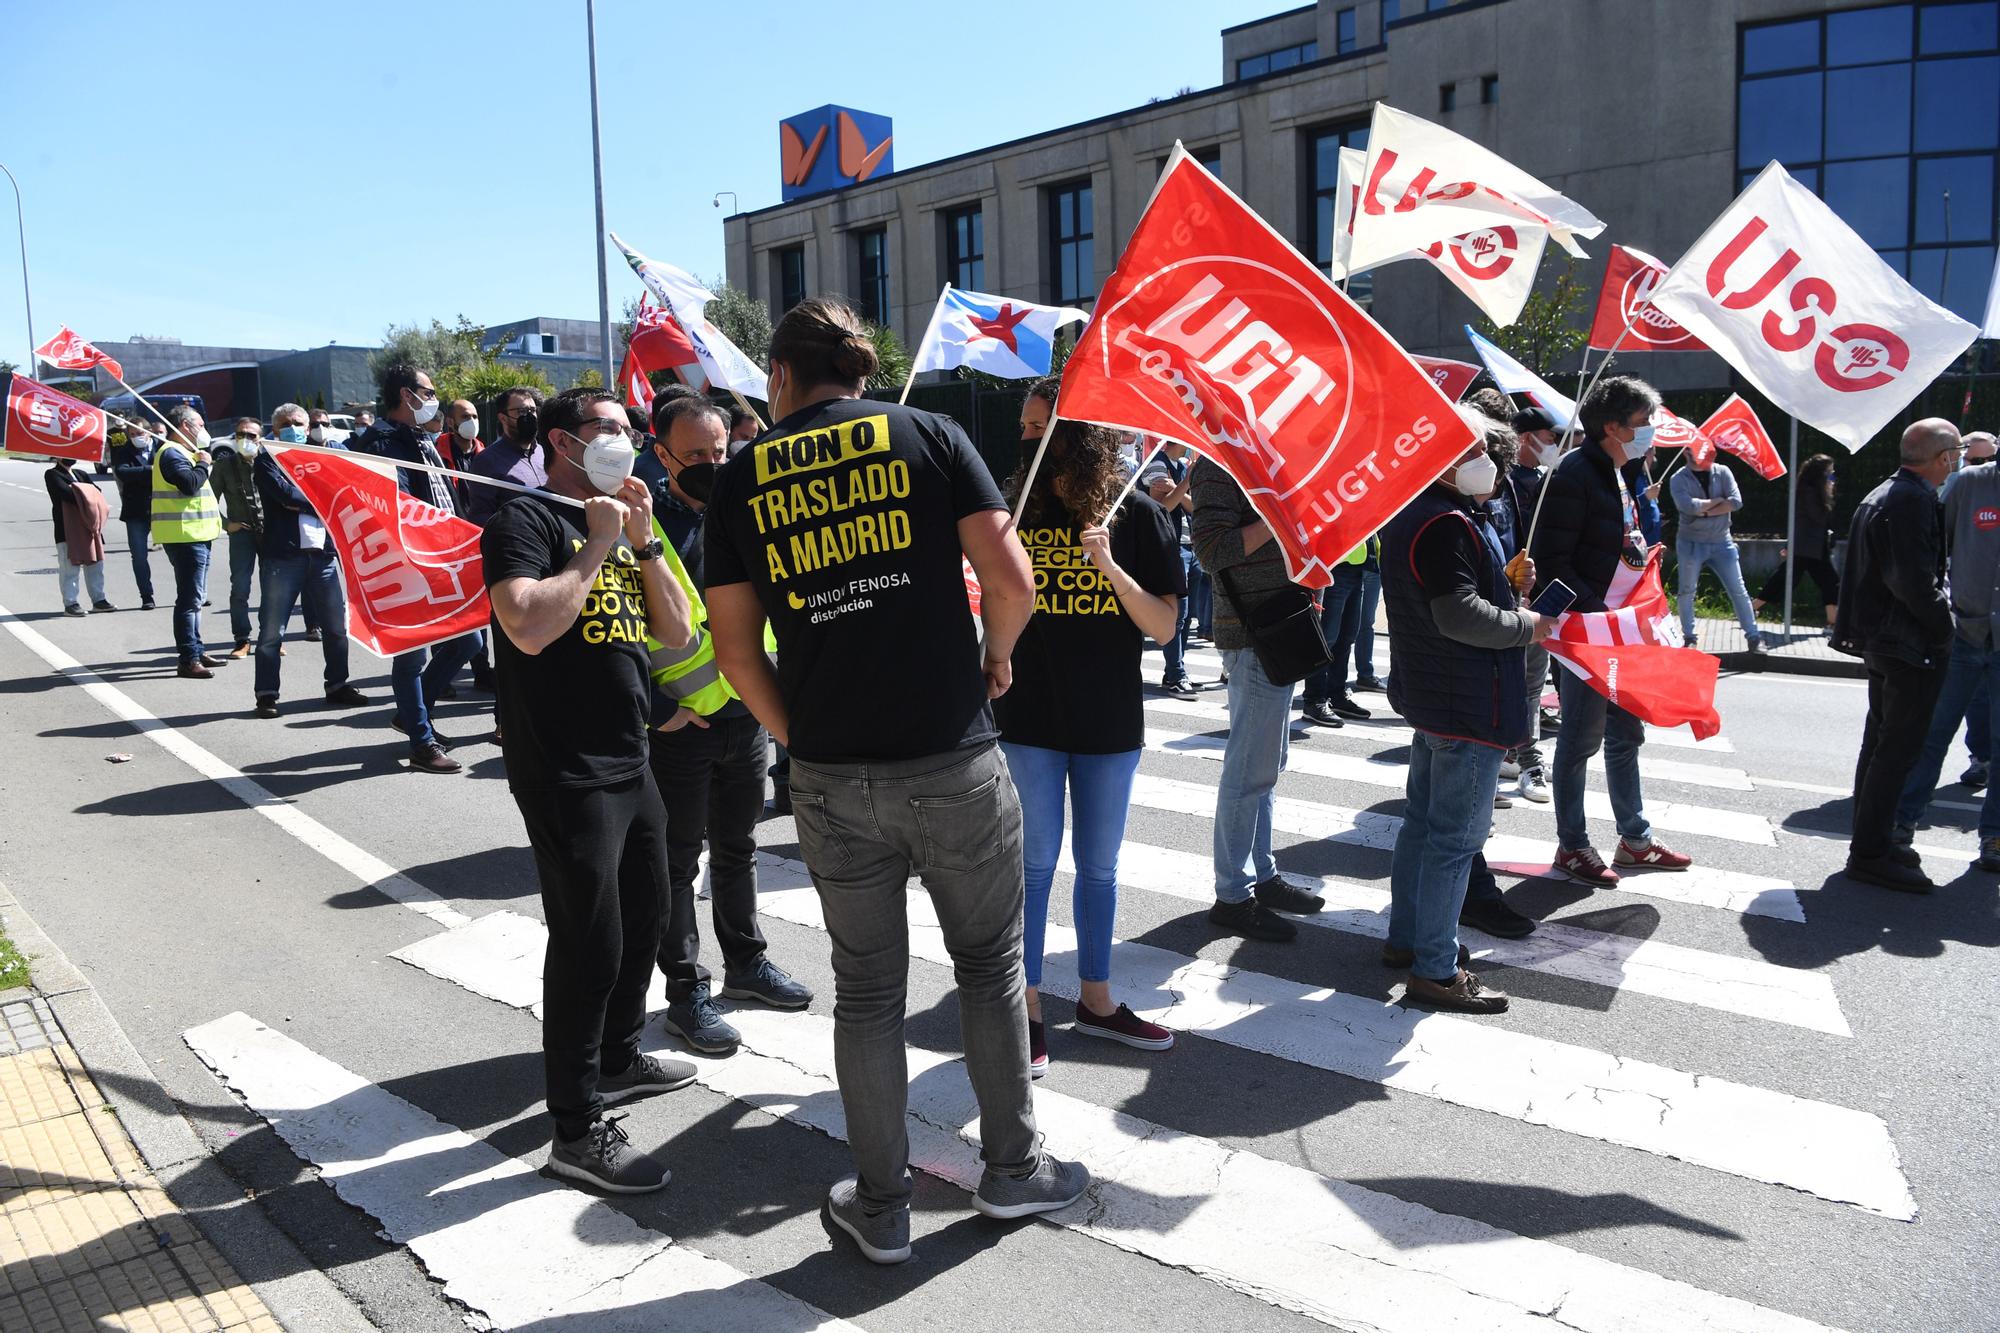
x: 286, y: 174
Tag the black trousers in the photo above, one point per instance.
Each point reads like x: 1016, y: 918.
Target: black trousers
x: 601, y: 853
x: 1817, y: 567
x: 1900, y: 700
x: 711, y: 782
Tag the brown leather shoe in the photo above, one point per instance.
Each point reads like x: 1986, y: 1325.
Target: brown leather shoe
x: 432, y: 759
x: 1463, y: 994
x: 195, y: 671
x: 213, y: 662
x: 240, y: 651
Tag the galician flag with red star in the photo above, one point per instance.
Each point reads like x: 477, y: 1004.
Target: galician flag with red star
x: 1004, y: 337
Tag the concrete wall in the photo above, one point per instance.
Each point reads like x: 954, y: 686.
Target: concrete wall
x: 1627, y: 106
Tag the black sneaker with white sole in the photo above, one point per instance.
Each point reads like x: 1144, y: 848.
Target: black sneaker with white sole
x: 698, y: 1022
x: 603, y: 1156
x: 767, y: 983
x: 646, y: 1073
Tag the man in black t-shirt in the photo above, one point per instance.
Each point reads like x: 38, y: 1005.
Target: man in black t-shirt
x: 845, y: 526
x: 577, y: 584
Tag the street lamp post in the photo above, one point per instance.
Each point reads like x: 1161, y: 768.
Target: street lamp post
x: 597, y: 171
x: 21, y: 223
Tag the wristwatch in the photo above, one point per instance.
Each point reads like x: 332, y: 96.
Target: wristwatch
x: 652, y: 550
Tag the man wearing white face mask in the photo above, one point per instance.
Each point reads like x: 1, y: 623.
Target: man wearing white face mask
x: 409, y: 404
x: 1590, y: 538
x: 1457, y: 636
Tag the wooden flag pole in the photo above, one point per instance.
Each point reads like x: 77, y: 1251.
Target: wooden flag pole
x: 378, y: 463
x: 923, y: 343
x: 1021, y: 501
x: 142, y: 402
x: 744, y: 403
x: 1130, y: 482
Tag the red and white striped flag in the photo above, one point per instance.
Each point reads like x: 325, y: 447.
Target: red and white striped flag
x: 1632, y: 655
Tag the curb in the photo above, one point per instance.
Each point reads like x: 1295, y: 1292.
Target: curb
x: 304, y: 1299
x: 1844, y: 668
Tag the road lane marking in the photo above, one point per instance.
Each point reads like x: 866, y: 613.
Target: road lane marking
x: 365, y: 866
x: 1338, y: 1253
x: 1731, y: 825
x: 1700, y: 885
x: 504, y: 1240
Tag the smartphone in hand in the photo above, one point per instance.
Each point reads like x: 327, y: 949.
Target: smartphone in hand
x: 1554, y: 599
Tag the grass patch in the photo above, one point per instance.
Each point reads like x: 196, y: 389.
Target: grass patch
x: 13, y: 967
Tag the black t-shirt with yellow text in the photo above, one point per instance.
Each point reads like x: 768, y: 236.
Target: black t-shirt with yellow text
x: 1077, y: 668
x: 844, y: 519
x: 574, y: 714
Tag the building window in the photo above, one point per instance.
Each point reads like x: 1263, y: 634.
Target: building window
x: 1892, y: 114
x: 1270, y: 62
x: 871, y: 272
x: 548, y: 343
x: 1322, y: 164
x: 1489, y: 89
x: 791, y: 283
x: 1447, y: 97
x: 1343, y: 31
x: 965, y: 249
x: 1072, y: 265
x: 1391, y: 11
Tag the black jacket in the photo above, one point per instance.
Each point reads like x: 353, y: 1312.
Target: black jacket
x: 1892, y: 600
x: 134, y: 469
x: 1582, y: 530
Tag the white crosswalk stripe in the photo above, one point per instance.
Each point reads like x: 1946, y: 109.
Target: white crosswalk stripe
x: 1344, y: 1255
x: 503, y: 1240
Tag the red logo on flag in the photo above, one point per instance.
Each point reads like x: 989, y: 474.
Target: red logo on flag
x: 1481, y: 255
x: 1452, y: 378
x: 1625, y: 307
x: 1735, y: 427
x: 413, y: 572
x: 1852, y: 358
x: 44, y: 421
x: 1215, y: 331
x: 66, y: 351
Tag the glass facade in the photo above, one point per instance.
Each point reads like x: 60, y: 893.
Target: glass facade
x: 871, y: 273
x: 1344, y: 31
x: 1072, y: 265
x: 1322, y: 153
x: 791, y: 277
x: 1892, y: 114
x: 965, y: 248
x: 1270, y: 62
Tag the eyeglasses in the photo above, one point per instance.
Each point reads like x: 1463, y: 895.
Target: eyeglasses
x: 611, y: 428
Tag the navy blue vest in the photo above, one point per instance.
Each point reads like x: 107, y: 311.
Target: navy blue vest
x: 1438, y: 684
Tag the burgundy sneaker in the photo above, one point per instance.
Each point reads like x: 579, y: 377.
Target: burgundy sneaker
x: 1122, y: 1025
x: 1585, y: 866
x: 1038, y: 1048
x: 1655, y: 855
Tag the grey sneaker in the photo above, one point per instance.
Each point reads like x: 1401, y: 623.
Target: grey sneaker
x: 700, y: 1024
x: 604, y: 1157
x: 769, y: 984
x: 884, y: 1237
x: 645, y: 1074
x: 1052, y: 1185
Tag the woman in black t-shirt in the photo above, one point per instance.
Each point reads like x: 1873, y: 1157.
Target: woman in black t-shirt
x: 1075, y: 717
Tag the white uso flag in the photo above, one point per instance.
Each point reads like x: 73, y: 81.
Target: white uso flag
x: 1784, y: 291
x: 687, y: 300
x: 1493, y: 266
x: 1424, y: 185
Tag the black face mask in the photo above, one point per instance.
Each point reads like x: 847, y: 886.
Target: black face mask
x: 697, y: 481
x: 524, y: 428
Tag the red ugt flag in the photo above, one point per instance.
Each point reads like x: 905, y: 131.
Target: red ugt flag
x: 1625, y: 308
x: 1735, y: 427
x: 1631, y: 655
x: 66, y: 351
x: 413, y: 573
x: 1452, y: 378
x: 1215, y: 331
x: 49, y: 424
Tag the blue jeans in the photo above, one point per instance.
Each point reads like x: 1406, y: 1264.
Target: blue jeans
x: 242, y: 567
x: 1340, y: 621
x: 1175, y: 649
x: 418, y: 676
x: 1201, y: 600
x: 70, y: 579
x: 1446, y: 817
x: 1591, y: 723
x: 1721, y: 557
x: 1246, y: 796
x: 1100, y: 793
x: 313, y: 576
x: 1969, y: 676
x: 139, y: 536
x: 1979, y: 725
x: 190, y: 565
x: 1364, y: 636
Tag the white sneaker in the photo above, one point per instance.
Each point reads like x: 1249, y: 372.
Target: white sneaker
x: 1502, y: 801
x: 1509, y: 770
x: 1534, y: 786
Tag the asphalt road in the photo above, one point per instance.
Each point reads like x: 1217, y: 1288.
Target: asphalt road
x: 1762, y: 1179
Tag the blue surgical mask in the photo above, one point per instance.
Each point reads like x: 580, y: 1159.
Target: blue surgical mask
x: 292, y: 434
x: 1642, y: 440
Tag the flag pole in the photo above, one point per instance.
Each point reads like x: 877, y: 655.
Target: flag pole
x: 1792, y: 528
x: 597, y: 179
x: 1576, y: 426
x: 1130, y: 482
x: 377, y: 463
x: 142, y: 402
x: 1021, y: 501
x: 744, y: 403
x: 923, y: 343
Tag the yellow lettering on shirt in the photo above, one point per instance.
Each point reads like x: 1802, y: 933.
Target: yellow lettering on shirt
x: 1066, y: 583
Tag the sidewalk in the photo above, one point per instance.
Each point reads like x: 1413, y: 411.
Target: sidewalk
x: 88, y: 1238
x: 1805, y: 653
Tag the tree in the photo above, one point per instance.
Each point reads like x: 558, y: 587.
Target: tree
x: 592, y: 378
x: 742, y: 319
x: 435, y: 350
x: 1544, y: 334
x: 7, y: 367
x: 893, y: 362
x: 482, y: 383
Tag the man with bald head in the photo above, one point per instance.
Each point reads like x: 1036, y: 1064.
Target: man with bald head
x: 1980, y: 447
x: 1894, y: 616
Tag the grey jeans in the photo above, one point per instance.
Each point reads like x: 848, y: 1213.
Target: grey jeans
x: 955, y: 820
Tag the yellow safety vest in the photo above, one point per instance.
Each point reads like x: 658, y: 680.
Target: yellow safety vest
x: 688, y: 674
x: 178, y: 517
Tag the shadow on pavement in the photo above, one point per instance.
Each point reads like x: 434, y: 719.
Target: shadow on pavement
x: 1537, y: 1211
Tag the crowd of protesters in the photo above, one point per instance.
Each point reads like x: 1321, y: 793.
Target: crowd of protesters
x: 667, y: 612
